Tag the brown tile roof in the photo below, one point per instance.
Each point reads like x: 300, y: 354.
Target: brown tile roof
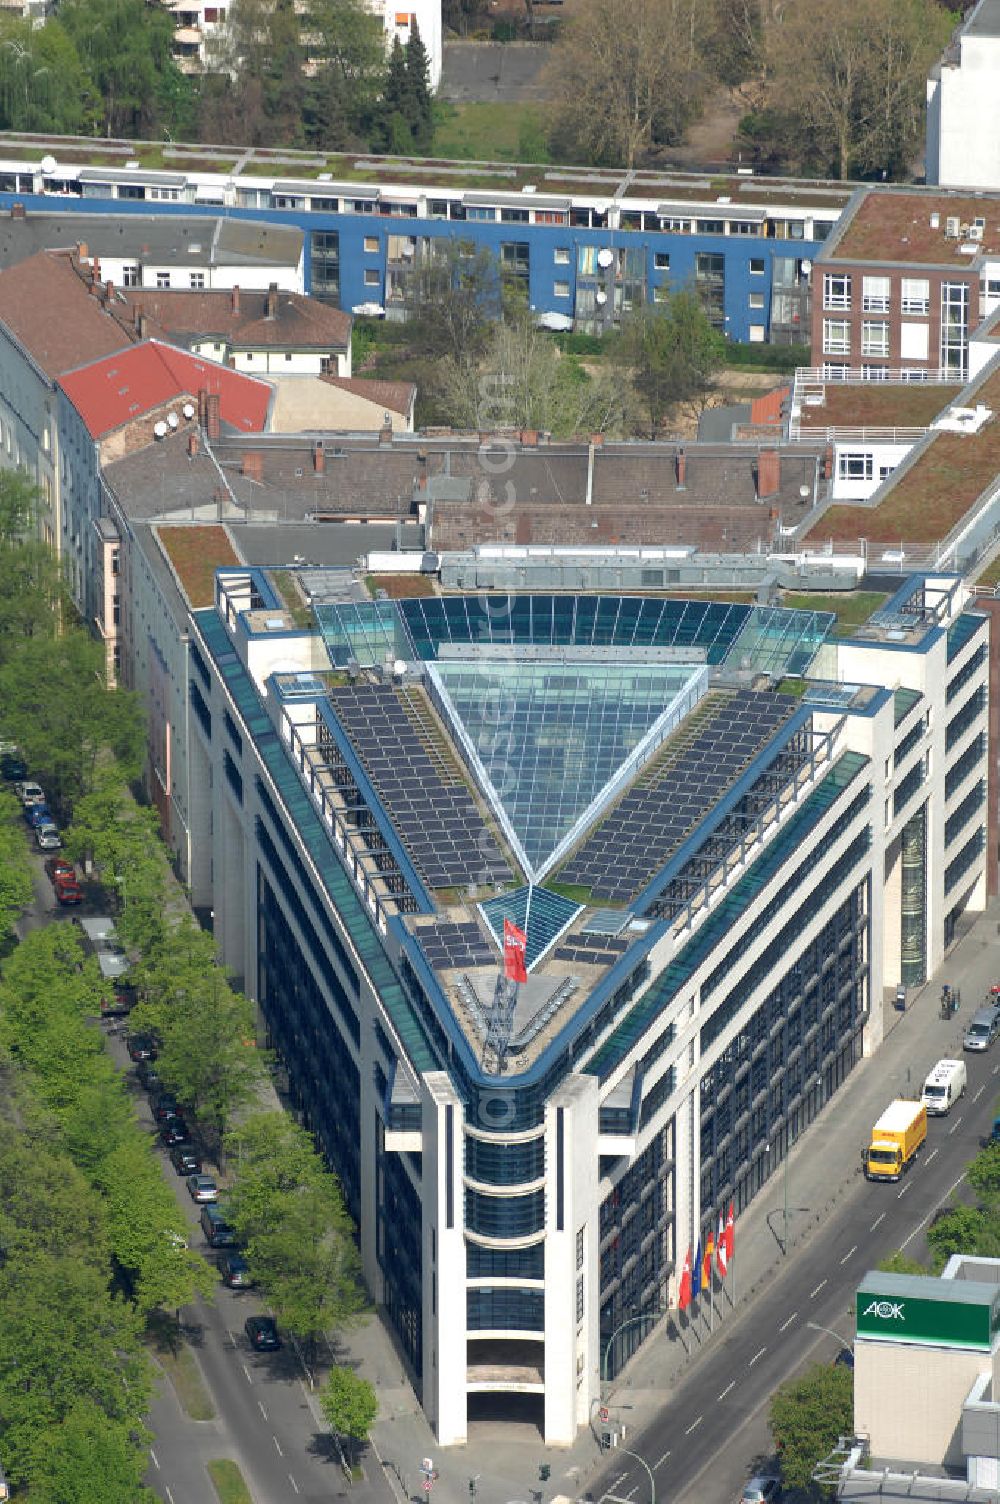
x: 933, y: 491
x: 299, y: 322
x: 877, y: 405
x: 889, y: 225
x: 457, y: 526
x: 396, y: 396
x: 48, y: 307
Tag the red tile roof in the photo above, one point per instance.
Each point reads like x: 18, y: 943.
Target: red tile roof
x: 298, y: 323
x: 114, y: 391
x: 397, y: 396
x: 767, y: 409
x: 47, y: 306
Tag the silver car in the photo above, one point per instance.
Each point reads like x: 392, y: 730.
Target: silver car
x: 982, y: 1031
x: 47, y: 838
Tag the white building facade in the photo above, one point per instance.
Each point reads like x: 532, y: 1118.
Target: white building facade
x: 963, y: 106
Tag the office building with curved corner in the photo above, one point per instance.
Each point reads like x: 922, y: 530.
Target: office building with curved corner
x: 724, y: 832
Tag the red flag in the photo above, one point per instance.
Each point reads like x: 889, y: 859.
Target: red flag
x: 684, y: 1292
x: 515, y: 943
x: 731, y: 1231
x: 706, y: 1265
x: 721, y: 1250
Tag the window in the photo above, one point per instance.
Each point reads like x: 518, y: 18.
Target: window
x: 874, y: 337
x: 916, y: 296
x: 561, y: 255
x: 579, y: 1298
x: 836, y: 290
x: 756, y: 266
x: 480, y: 212
x: 130, y: 276
x: 372, y: 278
x: 756, y: 300
x: 514, y: 216
x: 361, y: 205
x: 855, y: 466
x: 163, y: 279
x: 288, y: 354
x: 579, y: 1248
x: 197, y: 281
x: 875, y: 294
x: 661, y: 260
x: 836, y: 337
x: 914, y: 341
x: 514, y: 258
x: 561, y: 289
x: 744, y: 227
x: 711, y: 227
x: 661, y: 293
x: 371, y: 244
x: 955, y: 328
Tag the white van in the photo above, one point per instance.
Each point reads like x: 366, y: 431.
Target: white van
x: 943, y: 1087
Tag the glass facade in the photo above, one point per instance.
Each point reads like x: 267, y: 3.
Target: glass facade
x: 540, y: 914
x: 398, y: 1247
x: 637, y: 1255
x: 324, y: 266
x: 549, y: 737
x: 913, y: 855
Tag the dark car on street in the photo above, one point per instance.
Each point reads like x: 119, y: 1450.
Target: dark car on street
x: 141, y: 1047
x: 165, y: 1106
x: 175, y: 1131
x: 262, y: 1333
x: 13, y: 767
x: 184, y: 1160
x: 235, y: 1271
x: 148, y: 1076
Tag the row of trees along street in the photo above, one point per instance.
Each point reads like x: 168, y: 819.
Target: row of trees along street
x: 93, y: 1244
x: 479, y: 359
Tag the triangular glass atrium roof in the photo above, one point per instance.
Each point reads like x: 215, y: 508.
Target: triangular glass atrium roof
x: 540, y: 914
x: 551, y: 740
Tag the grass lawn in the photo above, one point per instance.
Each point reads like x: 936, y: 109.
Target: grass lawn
x: 489, y: 132
x: 181, y: 1369
x: 228, y: 1481
x: 851, y: 608
x: 990, y: 576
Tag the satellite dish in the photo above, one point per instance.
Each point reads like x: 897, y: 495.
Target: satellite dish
x: 605, y: 256
x: 188, y: 410
x: 160, y: 429
x: 399, y: 668
x: 173, y: 420
x: 600, y: 297
x: 48, y: 165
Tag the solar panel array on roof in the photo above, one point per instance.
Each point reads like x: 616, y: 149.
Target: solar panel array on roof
x: 661, y: 810
x: 448, y: 945
x: 412, y: 770
x: 592, y: 950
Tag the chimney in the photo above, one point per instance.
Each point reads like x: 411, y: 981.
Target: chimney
x: 236, y: 301
x: 680, y: 470
x: 768, y: 473
x: 202, y: 398
x: 17, y: 211
x: 529, y: 438
x: 82, y: 248
x: 109, y: 290
x: 272, y: 301
x: 319, y: 458
x: 213, y: 417
x: 192, y: 443
x: 143, y: 326
x: 95, y: 269
x: 828, y: 462
x: 252, y: 466
x: 385, y: 432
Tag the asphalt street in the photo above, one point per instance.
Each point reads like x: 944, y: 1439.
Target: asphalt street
x: 730, y: 1388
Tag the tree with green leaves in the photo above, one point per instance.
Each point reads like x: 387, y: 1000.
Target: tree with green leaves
x: 418, y: 102
x: 983, y: 1175
x: 394, y: 128
x: 672, y: 352
x: 15, y: 871
x: 964, y: 1229
x: 807, y: 1417
x: 126, y: 48
x: 900, y: 1263
x: 350, y: 1405
x: 31, y: 585
x: 348, y: 65
x: 88, y: 1456
x: 43, y: 84
x: 121, y: 838
x: 60, y: 711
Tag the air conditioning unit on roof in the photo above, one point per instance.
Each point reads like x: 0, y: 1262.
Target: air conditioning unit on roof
x: 952, y: 227
x: 976, y: 230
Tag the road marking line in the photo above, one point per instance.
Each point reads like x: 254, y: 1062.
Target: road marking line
x: 926, y: 1161
x: 632, y: 1492
x: 230, y: 1335
x: 814, y: 1293
x: 247, y: 1372
x: 789, y: 1321
x: 170, y: 1497
x: 156, y: 1460
x: 293, y: 1483
x: 849, y: 1254
x: 260, y: 1407
x: 979, y: 1093
x: 615, y: 1481
x: 756, y: 1356
x: 933, y: 1209
x: 995, y: 1069
x: 902, y: 1193
x: 953, y: 1185
x: 661, y: 1461
x: 954, y: 1125
x: 277, y: 1446
x: 878, y: 1219
x: 729, y: 1386
x: 694, y: 1427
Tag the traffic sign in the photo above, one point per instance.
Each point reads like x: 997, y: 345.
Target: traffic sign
x: 604, y: 1413
x: 427, y: 1465
x: 428, y: 1485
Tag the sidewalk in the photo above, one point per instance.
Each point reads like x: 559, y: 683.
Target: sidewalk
x: 822, y: 1169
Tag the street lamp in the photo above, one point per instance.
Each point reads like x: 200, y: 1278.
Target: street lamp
x: 629, y: 1321
x: 649, y: 1471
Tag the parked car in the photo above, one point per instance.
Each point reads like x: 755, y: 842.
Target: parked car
x: 235, y: 1271
x: 165, y: 1106
x: 761, y: 1489
x: 184, y: 1160
x: 58, y: 867
x: 262, y: 1333
x: 982, y: 1031
x: 148, y: 1076
x: 141, y: 1047
x: 174, y: 1131
x: 29, y: 792
x: 202, y: 1188
x: 37, y: 814
x: 68, y: 892
x: 218, y: 1233
x: 13, y: 766
x: 47, y: 838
